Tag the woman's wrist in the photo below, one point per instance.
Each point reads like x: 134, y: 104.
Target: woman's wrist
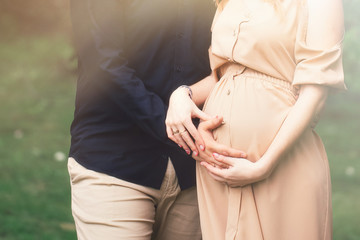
x: 264, y: 168
x: 179, y: 95
x: 187, y: 89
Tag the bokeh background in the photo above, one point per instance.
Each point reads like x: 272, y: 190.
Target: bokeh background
x: 37, y: 90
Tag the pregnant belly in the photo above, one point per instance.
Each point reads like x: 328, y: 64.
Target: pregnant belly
x: 253, y: 109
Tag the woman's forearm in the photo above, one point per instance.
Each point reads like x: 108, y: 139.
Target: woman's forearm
x: 310, y: 102
x: 202, y: 89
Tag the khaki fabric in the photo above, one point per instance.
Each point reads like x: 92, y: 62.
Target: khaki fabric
x: 261, y: 57
x: 105, y: 207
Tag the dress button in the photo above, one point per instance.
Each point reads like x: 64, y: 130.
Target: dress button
x: 228, y: 92
x: 234, y: 33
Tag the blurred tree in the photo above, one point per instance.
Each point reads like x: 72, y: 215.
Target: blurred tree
x: 33, y: 17
x: 23, y: 17
x: 352, y: 45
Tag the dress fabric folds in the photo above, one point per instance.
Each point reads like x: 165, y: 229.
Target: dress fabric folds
x: 261, y: 57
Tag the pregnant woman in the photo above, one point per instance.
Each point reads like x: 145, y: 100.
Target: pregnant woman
x: 274, y: 63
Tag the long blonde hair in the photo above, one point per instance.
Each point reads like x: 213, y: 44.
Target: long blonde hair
x: 222, y: 3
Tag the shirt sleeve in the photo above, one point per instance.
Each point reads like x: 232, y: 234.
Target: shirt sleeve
x: 100, y: 29
x: 314, y: 64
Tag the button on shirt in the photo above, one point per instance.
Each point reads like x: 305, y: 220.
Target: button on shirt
x: 132, y: 55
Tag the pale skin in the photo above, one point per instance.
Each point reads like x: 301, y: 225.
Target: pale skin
x: 181, y: 111
x: 179, y: 117
x: 237, y: 171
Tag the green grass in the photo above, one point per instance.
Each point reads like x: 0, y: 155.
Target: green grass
x: 36, y: 99
x: 36, y: 109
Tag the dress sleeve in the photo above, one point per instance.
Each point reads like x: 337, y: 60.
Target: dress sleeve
x: 319, y: 61
x: 215, y: 61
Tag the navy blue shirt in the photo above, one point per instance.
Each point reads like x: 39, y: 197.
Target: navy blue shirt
x: 131, y: 55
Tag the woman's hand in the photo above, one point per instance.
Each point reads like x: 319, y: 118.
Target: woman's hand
x: 179, y: 125
x: 240, y: 171
x: 205, y: 129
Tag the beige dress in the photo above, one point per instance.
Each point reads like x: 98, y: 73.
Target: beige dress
x: 263, y: 59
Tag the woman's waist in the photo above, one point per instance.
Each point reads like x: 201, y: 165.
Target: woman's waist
x: 235, y: 71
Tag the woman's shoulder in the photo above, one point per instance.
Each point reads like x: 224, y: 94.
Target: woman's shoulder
x: 325, y: 22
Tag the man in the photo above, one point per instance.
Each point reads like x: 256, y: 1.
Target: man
x: 132, y: 55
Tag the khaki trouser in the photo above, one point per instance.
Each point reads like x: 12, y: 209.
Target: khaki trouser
x: 107, y: 208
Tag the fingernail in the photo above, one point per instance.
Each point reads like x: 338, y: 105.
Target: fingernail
x: 215, y: 155
x: 202, y: 147
x: 196, y: 153
x: 223, y: 122
x: 180, y: 146
x: 188, y: 152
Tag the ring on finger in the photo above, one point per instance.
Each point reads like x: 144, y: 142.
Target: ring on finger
x: 182, y: 131
x: 176, y: 131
